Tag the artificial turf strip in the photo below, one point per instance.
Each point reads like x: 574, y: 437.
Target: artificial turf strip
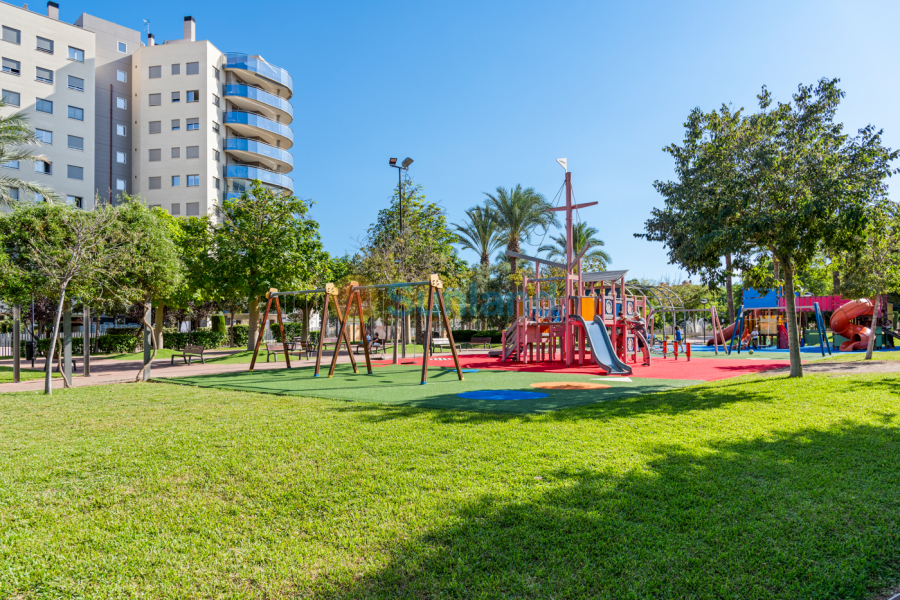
x: 761, y: 488
x: 401, y: 385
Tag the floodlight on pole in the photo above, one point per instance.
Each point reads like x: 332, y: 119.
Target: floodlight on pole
x: 406, y: 162
x: 393, y: 162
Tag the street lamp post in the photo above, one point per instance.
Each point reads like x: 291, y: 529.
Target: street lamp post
x: 404, y: 166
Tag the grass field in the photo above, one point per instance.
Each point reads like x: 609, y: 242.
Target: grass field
x: 750, y: 488
x: 6, y: 374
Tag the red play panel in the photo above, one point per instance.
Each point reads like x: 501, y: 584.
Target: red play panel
x: 706, y: 369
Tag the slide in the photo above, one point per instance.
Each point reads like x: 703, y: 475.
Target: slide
x: 602, y: 348
x: 724, y: 337
x: 857, y: 335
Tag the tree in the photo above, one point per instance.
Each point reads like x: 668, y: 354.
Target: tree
x: 785, y: 182
x: 481, y: 233
x: 15, y: 137
x: 266, y: 240
x: 582, y: 235
x: 872, y: 267
x: 519, y: 213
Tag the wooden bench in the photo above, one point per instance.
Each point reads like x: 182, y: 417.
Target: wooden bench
x: 373, y: 349
x: 300, y: 347
x: 484, y: 342
x: 190, y: 352
x: 333, y: 341
x: 440, y: 343
x: 275, y: 348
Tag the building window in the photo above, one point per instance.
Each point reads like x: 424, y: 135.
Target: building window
x: 45, y: 45
x: 176, y: 96
x: 44, y: 136
x: 120, y: 185
x: 76, y: 54
x: 176, y: 124
x: 193, y: 152
x: 215, y: 127
x: 43, y: 166
x: 176, y: 152
x: 193, y: 96
x: 155, y: 183
x: 122, y: 76
x: 76, y: 113
x: 11, y: 98
x: 121, y: 158
x: 44, y: 75
x: 12, y: 164
x: 176, y: 209
x: 44, y: 106
x: 193, y: 68
x: 13, y: 193
x: 176, y: 180
x: 155, y: 72
x: 121, y: 130
x: 193, y: 180
x: 155, y: 155
x: 155, y: 99
x: 75, y: 143
x: 215, y: 72
x: 123, y: 48
x: 76, y: 83
x: 73, y: 172
x: 193, y: 124
x: 155, y: 126
x: 12, y: 35
x: 121, y: 102
x: 76, y: 201
x: 13, y: 67
x: 216, y: 182
x: 215, y: 155
x: 215, y: 100
x: 193, y: 209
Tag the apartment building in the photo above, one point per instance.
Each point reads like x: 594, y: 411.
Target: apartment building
x: 180, y: 123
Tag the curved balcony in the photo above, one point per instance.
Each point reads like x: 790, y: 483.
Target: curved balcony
x: 264, y: 175
x: 247, y: 124
x: 256, y: 99
x: 252, y: 151
x: 257, y: 71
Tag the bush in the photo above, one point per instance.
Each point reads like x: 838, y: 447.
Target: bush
x: 133, y: 331
x: 241, y: 334
x: 44, y: 345
x: 117, y: 344
x: 291, y: 330
x: 217, y: 323
x: 200, y: 337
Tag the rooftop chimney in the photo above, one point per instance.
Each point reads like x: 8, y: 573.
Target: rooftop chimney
x: 53, y: 10
x: 189, y: 27
x: 150, y: 40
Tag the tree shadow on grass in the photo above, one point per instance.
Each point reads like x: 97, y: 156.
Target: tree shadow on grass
x: 809, y: 514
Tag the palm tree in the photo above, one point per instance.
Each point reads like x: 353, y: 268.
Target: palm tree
x: 15, y: 136
x: 519, y: 212
x: 582, y: 235
x: 481, y: 233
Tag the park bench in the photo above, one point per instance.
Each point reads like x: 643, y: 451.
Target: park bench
x: 275, y: 348
x: 299, y: 346
x: 484, y: 342
x: 332, y: 341
x: 190, y: 352
x: 440, y: 343
x: 373, y: 347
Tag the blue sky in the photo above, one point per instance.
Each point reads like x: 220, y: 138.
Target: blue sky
x: 484, y: 94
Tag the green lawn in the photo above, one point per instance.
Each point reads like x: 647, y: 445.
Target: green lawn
x: 6, y: 374
x: 743, y: 488
x: 858, y: 356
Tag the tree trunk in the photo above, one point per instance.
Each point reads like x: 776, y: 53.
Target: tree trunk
x: 836, y: 282
x: 158, y: 332
x: 48, y: 373
x: 513, y: 246
x: 141, y: 376
x: 231, y: 329
x: 485, y: 259
x: 871, y: 346
x: 791, y: 305
x: 729, y: 290
x: 253, y: 323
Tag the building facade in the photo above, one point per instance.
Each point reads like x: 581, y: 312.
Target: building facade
x: 180, y: 123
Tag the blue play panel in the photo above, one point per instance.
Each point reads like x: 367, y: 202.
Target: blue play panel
x: 502, y: 395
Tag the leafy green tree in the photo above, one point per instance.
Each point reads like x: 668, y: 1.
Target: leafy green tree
x: 786, y: 181
x: 16, y: 135
x: 480, y: 233
x: 266, y: 240
x: 583, y: 235
x: 519, y: 213
x: 872, y: 267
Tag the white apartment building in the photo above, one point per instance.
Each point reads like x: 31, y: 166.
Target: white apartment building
x: 180, y: 123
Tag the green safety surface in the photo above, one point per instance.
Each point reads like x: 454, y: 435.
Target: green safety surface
x: 401, y: 386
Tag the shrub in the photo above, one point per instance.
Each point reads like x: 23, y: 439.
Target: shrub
x: 241, y: 334
x: 200, y: 337
x: 217, y: 323
x: 133, y: 331
x: 291, y: 330
x: 44, y: 345
x: 117, y: 344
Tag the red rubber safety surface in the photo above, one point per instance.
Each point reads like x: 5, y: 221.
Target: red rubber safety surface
x: 705, y: 369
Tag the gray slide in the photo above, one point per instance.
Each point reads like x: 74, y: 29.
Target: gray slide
x: 602, y: 348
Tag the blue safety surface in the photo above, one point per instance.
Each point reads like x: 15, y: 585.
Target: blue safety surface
x: 463, y: 370
x: 501, y: 395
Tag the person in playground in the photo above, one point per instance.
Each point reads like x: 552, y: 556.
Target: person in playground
x: 639, y: 327
x: 754, y: 339
x: 678, y: 338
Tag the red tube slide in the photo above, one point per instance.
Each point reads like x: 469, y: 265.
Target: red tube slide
x: 858, y: 336
x: 725, y: 336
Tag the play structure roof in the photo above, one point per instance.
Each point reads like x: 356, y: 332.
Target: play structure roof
x: 603, y: 276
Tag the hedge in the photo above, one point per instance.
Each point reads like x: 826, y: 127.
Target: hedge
x: 200, y: 337
x: 132, y: 331
x: 466, y: 335
x: 241, y: 334
x: 106, y: 344
x: 217, y: 323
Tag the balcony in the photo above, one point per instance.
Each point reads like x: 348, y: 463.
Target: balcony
x: 255, y: 99
x: 253, y: 151
x: 247, y: 124
x: 268, y: 177
x: 257, y: 71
